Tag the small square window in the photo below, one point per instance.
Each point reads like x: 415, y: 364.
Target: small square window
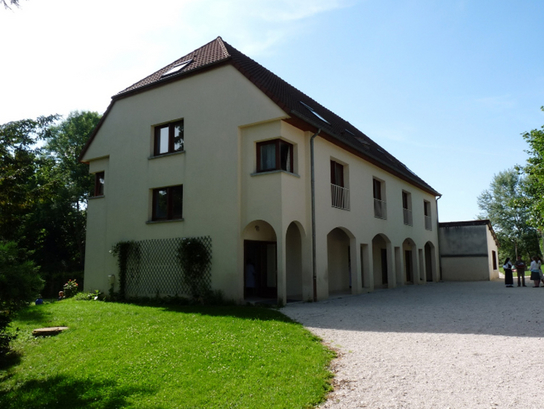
x: 169, y: 138
x: 99, y: 184
x: 168, y: 203
x: 274, y: 155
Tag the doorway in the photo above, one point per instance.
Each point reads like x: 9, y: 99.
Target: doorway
x: 261, y: 280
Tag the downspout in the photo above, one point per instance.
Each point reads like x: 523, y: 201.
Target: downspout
x: 438, y: 238
x: 312, y: 161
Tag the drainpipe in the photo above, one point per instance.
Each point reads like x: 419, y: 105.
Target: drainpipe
x: 438, y: 238
x: 314, y: 268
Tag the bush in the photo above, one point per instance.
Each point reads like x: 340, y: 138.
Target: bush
x: 20, y: 284
x: 70, y: 288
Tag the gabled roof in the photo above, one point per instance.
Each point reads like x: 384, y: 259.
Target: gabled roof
x: 304, y: 112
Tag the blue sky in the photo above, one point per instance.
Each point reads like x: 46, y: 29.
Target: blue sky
x: 446, y: 86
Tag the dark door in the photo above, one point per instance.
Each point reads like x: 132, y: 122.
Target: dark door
x: 262, y: 255
x: 408, y: 265
x: 384, y: 266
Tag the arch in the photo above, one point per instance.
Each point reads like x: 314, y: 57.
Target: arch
x: 430, y: 262
x: 260, y: 260
x: 339, y: 260
x: 382, y: 262
x: 294, y: 261
x: 409, y: 257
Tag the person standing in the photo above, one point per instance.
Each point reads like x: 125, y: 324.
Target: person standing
x: 520, y: 269
x: 535, y: 272
x: 508, y: 277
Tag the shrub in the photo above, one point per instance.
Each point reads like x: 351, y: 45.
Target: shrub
x: 20, y: 283
x: 70, y: 288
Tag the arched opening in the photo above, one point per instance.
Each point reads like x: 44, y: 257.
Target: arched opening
x: 260, y: 256
x: 429, y: 261
x: 293, y: 261
x: 339, y: 264
x: 381, y: 260
x: 410, y: 261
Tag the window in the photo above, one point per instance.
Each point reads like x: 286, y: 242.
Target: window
x: 407, y: 208
x: 427, y: 212
x: 168, y: 203
x: 379, y: 199
x: 169, y: 138
x: 99, y: 184
x: 339, y: 193
x: 274, y: 155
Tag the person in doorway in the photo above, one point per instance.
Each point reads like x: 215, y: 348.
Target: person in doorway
x: 520, y: 270
x: 508, y: 277
x: 251, y: 279
x: 535, y: 272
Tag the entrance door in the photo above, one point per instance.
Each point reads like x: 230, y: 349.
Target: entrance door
x: 262, y: 255
x: 384, y: 266
x: 408, y: 265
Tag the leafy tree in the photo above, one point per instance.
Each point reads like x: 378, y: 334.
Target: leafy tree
x: 534, y: 186
x: 20, y: 188
x: 504, y: 204
x: 11, y: 2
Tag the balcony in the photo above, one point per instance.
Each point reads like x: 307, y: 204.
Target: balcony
x: 340, y: 197
x: 407, y: 213
x: 380, y: 209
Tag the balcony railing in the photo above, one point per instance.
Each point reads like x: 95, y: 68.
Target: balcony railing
x: 340, y: 197
x: 407, y: 217
x: 428, y: 223
x: 380, y: 209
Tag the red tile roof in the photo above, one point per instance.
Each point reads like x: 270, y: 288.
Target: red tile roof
x: 305, y: 112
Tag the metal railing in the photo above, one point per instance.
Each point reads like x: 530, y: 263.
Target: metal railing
x: 380, y: 209
x: 340, y: 197
x: 428, y: 223
x: 407, y: 216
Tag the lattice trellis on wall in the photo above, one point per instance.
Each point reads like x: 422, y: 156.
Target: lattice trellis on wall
x: 154, y: 268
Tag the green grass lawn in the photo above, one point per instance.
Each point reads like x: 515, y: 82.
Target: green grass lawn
x: 128, y: 356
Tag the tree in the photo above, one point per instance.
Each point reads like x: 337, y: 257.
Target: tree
x: 534, y: 186
x: 504, y: 205
x: 12, y: 2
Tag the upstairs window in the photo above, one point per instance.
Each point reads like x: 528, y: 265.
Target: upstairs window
x: 407, y: 208
x: 99, y: 179
x: 168, y: 203
x: 169, y: 138
x: 274, y: 155
x: 380, y: 210
x: 339, y: 192
x: 427, y: 212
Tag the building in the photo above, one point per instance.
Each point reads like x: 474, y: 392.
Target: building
x: 214, y: 145
x: 468, y: 251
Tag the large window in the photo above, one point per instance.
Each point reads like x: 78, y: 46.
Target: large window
x: 427, y: 212
x: 169, y: 138
x: 407, y: 208
x: 99, y: 180
x: 378, y: 188
x: 168, y: 203
x: 274, y: 155
x: 339, y: 193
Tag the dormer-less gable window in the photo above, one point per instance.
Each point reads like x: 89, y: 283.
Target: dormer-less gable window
x: 274, y: 155
x: 99, y: 180
x: 169, y: 138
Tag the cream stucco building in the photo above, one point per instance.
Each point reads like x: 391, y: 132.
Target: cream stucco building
x: 216, y: 145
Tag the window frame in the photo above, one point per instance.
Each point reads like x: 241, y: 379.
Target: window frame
x: 171, y: 138
x: 99, y: 182
x: 278, y: 143
x: 337, y: 174
x: 171, y: 212
x: 407, y: 208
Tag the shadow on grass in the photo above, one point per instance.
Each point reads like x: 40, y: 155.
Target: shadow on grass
x: 33, y: 315
x: 10, y: 360
x: 64, y: 392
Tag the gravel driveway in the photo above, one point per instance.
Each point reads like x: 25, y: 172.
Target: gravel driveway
x: 439, y: 345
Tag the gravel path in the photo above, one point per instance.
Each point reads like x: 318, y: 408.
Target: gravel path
x: 440, y: 345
